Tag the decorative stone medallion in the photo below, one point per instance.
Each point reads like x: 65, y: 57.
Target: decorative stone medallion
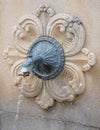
x: 64, y: 35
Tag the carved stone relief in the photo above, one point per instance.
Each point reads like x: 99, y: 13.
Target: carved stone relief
x: 70, y: 33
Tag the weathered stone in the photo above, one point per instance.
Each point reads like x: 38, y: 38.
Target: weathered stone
x: 26, y: 122
x: 84, y: 112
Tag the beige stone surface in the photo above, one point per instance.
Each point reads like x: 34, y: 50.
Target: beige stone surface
x: 84, y: 112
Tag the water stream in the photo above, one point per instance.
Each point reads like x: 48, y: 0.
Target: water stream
x: 20, y: 99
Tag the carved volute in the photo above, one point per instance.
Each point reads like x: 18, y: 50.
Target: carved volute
x: 62, y: 76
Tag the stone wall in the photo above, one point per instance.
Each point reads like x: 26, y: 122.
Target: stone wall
x: 84, y: 112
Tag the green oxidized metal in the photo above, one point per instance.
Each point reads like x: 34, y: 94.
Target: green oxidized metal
x: 45, y: 58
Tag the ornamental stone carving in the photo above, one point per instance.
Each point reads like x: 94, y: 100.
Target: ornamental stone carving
x: 69, y: 32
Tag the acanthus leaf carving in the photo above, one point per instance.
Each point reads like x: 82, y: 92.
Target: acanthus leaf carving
x: 68, y: 84
x: 69, y: 31
x: 91, y: 58
x: 45, y: 9
x: 28, y: 29
x: 44, y: 99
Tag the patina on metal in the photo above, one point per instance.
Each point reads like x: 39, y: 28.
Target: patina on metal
x: 45, y: 58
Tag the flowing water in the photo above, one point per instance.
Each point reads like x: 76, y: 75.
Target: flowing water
x: 20, y: 99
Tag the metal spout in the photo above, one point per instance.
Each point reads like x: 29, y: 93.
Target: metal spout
x: 24, y: 72
x: 26, y: 67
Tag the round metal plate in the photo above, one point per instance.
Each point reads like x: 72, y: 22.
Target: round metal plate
x: 47, y: 56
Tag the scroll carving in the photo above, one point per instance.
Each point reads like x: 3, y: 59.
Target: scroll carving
x: 70, y: 33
